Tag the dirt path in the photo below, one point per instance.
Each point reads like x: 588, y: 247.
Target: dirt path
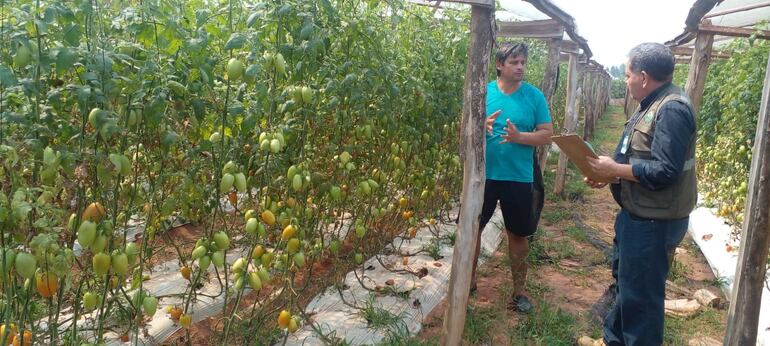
x: 570, y: 271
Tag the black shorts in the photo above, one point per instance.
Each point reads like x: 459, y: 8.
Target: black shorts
x: 515, y: 203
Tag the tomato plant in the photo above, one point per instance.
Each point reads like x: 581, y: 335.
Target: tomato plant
x: 294, y: 134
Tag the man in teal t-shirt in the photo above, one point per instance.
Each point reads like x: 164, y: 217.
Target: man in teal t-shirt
x: 517, y: 121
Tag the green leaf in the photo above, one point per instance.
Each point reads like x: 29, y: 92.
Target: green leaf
x: 201, y: 16
x: 7, y: 78
x: 72, y: 34
x: 169, y: 138
x: 253, y: 19
x: 236, y: 41
x: 65, y: 59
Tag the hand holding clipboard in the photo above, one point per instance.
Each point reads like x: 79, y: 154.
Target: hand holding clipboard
x: 577, y: 150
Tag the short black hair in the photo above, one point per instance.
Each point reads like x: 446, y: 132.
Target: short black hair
x: 653, y: 58
x: 507, y: 49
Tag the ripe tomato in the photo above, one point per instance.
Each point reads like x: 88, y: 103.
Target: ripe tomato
x: 185, y: 270
x: 94, y: 212
x: 284, y: 318
x: 47, y: 284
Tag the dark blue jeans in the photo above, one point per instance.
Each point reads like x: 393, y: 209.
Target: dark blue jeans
x: 640, y: 266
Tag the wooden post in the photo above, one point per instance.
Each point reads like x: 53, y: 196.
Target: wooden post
x: 743, y: 315
x: 699, y: 67
x: 630, y: 104
x: 589, y: 94
x: 472, y: 149
x: 569, y: 123
x: 549, y: 88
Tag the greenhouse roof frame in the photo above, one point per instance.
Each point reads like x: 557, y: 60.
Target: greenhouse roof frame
x: 547, y: 20
x: 728, y: 18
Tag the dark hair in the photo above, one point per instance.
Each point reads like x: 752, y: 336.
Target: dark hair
x: 508, y: 49
x: 653, y: 58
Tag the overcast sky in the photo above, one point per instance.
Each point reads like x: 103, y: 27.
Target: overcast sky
x: 613, y: 27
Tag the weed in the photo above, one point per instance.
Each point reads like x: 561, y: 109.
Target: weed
x: 378, y: 318
x: 546, y: 326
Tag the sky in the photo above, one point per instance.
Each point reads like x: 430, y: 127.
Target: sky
x: 613, y: 27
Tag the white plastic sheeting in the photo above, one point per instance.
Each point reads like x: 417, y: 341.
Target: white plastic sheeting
x: 714, y: 237
x: 336, y: 319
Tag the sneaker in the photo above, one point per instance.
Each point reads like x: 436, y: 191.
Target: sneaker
x: 587, y: 341
x: 521, y: 303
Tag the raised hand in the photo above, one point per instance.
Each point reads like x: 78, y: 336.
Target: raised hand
x: 491, y: 121
x: 511, y: 133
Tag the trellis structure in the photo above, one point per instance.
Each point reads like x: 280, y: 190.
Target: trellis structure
x: 710, y: 22
x: 560, y: 31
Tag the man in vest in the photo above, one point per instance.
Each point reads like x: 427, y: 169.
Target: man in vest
x: 518, y: 120
x: 654, y: 167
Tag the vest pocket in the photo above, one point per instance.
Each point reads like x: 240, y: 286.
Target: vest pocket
x: 660, y: 199
x: 641, y: 140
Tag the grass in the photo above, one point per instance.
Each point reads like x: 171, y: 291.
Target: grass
x: 546, y: 325
x: 400, y: 336
x: 478, y: 324
x: 554, y: 215
x: 678, y: 331
x: 378, y: 318
x: 577, y: 233
x: 433, y: 249
x: 678, y: 272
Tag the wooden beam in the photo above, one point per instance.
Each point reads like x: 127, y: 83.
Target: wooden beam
x: 472, y: 151
x: 436, y: 5
x: 682, y: 60
x: 687, y: 51
x: 482, y: 3
x: 699, y: 66
x: 737, y: 9
x: 732, y: 32
x: 548, y: 28
x: 548, y: 87
x: 570, y: 47
x: 570, y: 123
x: 743, y: 316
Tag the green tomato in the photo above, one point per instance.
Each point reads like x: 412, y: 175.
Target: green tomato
x: 251, y: 226
x: 90, y: 300
x: 86, y: 233
x: 235, y: 69
x: 120, y: 263
x: 218, y: 258
x: 226, y: 183
x: 240, y: 182
x: 26, y: 263
x: 254, y: 281
x: 199, y: 252
x: 22, y: 58
x: 299, y: 259
x: 150, y: 305
x: 275, y: 146
x: 221, y: 240
x: 101, y: 263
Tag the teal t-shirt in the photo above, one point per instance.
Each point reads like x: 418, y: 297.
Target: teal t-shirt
x: 526, y: 108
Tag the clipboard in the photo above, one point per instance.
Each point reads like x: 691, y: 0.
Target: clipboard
x: 577, y: 150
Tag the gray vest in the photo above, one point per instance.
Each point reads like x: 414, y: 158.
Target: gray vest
x: 674, y: 201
